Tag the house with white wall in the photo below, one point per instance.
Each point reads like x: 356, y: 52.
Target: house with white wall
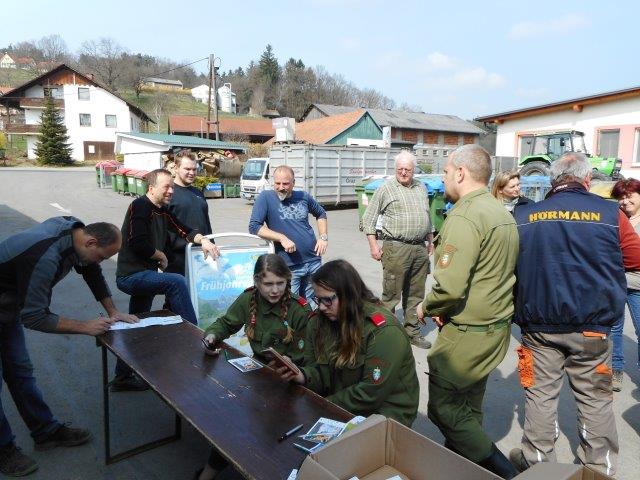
x: 226, y: 98
x: 92, y: 113
x: 6, y: 61
x: 610, y: 122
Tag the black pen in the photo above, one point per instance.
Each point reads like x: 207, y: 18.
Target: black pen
x: 286, y: 435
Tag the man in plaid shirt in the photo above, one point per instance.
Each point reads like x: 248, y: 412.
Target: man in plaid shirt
x: 406, y: 236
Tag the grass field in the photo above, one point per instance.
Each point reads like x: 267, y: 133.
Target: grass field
x: 12, y: 77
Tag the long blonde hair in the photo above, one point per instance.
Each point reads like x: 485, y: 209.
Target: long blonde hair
x: 500, y: 181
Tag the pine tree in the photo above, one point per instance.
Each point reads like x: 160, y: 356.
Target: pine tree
x: 53, y: 145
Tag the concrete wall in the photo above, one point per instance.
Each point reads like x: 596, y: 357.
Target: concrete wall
x: 140, y: 154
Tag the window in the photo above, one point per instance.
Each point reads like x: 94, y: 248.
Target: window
x: 526, y: 145
x: 435, y: 153
x: 445, y: 153
x: 608, y: 143
x: 83, y: 93
x: 85, y: 119
x: 52, y: 92
x: 637, y: 149
x: 110, y: 121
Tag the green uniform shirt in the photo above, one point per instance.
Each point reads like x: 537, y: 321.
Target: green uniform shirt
x: 404, y: 210
x: 383, y: 380
x: 475, y: 256
x: 270, y: 329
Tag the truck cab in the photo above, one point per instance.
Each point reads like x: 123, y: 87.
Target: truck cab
x: 254, y: 178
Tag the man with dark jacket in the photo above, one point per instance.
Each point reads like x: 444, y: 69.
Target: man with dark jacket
x: 31, y: 264
x: 574, y: 249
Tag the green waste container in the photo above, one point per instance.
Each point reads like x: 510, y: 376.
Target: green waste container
x: 435, y: 190
x: 131, y: 181
x: 141, y: 182
x: 231, y: 190
x: 121, y: 180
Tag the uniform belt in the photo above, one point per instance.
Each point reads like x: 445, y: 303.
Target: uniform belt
x: 483, y: 328
x: 408, y: 242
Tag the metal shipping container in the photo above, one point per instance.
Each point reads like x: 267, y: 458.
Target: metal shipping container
x: 329, y: 172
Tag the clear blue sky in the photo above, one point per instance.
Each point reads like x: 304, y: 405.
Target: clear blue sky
x: 450, y: 57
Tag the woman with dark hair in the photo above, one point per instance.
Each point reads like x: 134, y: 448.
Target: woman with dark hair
x: 506, y: 188
x: 627, y: 192
x: 272, y: 317
x: 357, y: 354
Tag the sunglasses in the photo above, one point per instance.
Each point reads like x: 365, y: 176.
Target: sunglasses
x: 326, y: 301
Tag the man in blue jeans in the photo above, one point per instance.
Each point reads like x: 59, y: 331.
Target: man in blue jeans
x: 31, y: 264
x: 282, y: 216
x: 145, y: 235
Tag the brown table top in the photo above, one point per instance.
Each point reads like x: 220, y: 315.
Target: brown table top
x: 241, y: 414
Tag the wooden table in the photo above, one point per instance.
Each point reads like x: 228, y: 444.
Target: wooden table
x: 241, y: 414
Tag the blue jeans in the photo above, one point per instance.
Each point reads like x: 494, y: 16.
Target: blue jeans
x: 633, y: 301
x: 301, y: 279
x: 144, y: 286
x: 17, y: 373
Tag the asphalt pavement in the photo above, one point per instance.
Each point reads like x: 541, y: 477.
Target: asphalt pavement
x: 68, y: 368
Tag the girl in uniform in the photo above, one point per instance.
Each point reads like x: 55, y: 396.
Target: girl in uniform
x: 357, y: 354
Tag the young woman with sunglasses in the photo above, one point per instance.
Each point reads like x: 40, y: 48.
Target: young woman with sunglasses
x: 272, y: 317
x: 357, y: 354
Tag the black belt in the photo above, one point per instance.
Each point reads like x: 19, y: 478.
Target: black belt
x: 409, y: 242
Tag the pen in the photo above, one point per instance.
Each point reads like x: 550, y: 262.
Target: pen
x: 300, y: 447
x: 286, y: 435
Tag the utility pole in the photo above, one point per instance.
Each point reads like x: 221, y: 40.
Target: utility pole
x: 215, y: 91
x: 211, y: 70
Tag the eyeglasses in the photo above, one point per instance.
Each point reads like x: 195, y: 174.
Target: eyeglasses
x: 404, y: 170
x: 326, y: 301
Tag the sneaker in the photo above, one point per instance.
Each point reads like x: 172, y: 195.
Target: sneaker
x: 64, y: 436
x: 516, y: 457
x: 617, y: 380
x: 129, y: 383
x: 14, y: 463
x: 420, y: 342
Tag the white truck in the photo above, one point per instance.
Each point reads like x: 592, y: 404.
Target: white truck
x: 254, y: 178
x: 330, y: 173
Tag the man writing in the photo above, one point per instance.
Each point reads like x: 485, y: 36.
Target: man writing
x: 145, y: 232
x: 31, y: 264
x: 282, y: 216
x: 472, y: 302
x: 406, y: 241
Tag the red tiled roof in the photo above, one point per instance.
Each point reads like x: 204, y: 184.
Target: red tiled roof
x: 24, y: 60
x: 321, y: 130
x: 241, y: 126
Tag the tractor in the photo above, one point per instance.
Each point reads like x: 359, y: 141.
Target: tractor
x: 543, y: 148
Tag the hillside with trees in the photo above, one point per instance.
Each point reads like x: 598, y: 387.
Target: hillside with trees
x: 262, y: 85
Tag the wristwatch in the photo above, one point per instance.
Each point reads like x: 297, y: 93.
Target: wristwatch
x: 324, y: 237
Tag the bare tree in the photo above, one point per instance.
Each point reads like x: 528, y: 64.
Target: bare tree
x: 53, y: 48
x: 161, y: 100
x: 102, y: 57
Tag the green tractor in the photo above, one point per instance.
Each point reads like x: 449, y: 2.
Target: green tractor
x: 543, y: 148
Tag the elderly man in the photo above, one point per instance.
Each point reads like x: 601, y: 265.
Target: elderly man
x: 574, y: 249
x: 472, y: 304
x: 31, y: 264
x: 282, y: 216
x: 406, y: 241
x: 145, y: 233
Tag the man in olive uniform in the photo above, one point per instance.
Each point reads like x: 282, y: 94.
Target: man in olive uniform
x: 472, y: 303
x: 406, y: 235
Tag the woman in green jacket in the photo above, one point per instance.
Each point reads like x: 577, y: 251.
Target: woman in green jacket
x: 357, y: 354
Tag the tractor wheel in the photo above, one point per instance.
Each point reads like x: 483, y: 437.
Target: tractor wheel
x: 535, y: 168
x: 599, y: 176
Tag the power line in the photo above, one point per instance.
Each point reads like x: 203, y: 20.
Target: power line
x: 176, y: 68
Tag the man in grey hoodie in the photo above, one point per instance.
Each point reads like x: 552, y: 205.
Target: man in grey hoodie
x: 31, y: 264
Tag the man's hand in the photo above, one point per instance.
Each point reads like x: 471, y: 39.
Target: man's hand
x: 287, y: 244
x: 210, y: 248
x: 376, y: 251
x: 439, y: 321
x: 420, y: 314
x: 161, y: 258
x: 321, y: 247
x: 210, y: 342
x: 430, y: 248
x: 124, y: 317
x: 97, y: 326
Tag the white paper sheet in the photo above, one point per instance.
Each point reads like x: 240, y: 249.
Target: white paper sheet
x: 147, y: 322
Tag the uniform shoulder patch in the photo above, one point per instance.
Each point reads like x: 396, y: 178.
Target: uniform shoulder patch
x: 302, y: 301
x: 447, y: 255
x: 378, y: 319
x: 250, y: 289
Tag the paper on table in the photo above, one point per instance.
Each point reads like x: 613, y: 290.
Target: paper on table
x: 147, y: 322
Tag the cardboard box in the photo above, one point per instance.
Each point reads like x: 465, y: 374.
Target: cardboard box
x: 561, y: 471
x: 380, y: 448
